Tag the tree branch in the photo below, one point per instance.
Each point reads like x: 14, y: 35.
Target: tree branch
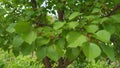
x: 37, y: 21
x: 115, y: 9
x: 47, y: 63
x: 61, y: 15
x: 34, y: 4
x: 42, y: 25
x: 63, y: 63
x: 61, y: 12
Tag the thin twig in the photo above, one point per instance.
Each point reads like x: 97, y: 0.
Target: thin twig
x: 115, y: 9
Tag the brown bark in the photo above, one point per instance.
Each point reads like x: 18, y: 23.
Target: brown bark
x: 61, y: 15
x: 34, y: 4
x: 47, y: 62
x: 63, y: 63
x: 61, y: 11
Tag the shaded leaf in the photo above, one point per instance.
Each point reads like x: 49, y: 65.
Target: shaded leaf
x: 41, y: 52
x: 109, y: 51
x: 29, y: 38
x: 54, y: 53
x: 75, y: 39
x: 109, y: 27
x: 42, y: 41
x: 2, y: 12
x: 23, y: 28
x: 73, y: 53
x: 60, y: 42
x: 17, y: 41
x: 16, y: 51
x: 115, y: 18
x: 96, y: 10
x: 26, y: 49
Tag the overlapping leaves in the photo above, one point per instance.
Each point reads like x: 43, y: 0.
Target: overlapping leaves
x: 25, y: 30
x: 75, y: 39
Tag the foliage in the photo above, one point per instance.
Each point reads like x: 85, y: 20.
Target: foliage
x: 8, y: 60
x: 101, y: 63
x: 58, y: 31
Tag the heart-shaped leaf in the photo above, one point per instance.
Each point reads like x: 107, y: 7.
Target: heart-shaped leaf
x: 103, y: 35
x: 91, y: 50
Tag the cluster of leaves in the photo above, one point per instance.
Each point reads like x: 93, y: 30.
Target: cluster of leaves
x: 101, y: 63
x: 80, y: 27
x: 8, y: 60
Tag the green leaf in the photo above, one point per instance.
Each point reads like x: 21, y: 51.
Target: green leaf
x: 109, y: 51
x: 58, y: 25
x: 26, y: 49
x: 10, y: 28
x: 116, y: 1
x: 91, y: 28
x: 60, y: 42
x: 72, y: 25
x: 103, y: 35
x: 74, y: 15
x: 42, y: 41
x: 23, y: 28
x: 75, y: 39
x: 109, y: 27
x: 91, y: 17
x: 40, y: 1
x: 47, y: 31
x: 103, y: 20
x: 17, y: 41
x: 2, y: 12
x: 41, y: 52
x: 115, y: 18
x: 29, y: 38
x: 91, y: 51
x: 54, y: 52
x: 71, y: 36
x: 16, y: 51
x: 96, y: 10
x: 73, y: 53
